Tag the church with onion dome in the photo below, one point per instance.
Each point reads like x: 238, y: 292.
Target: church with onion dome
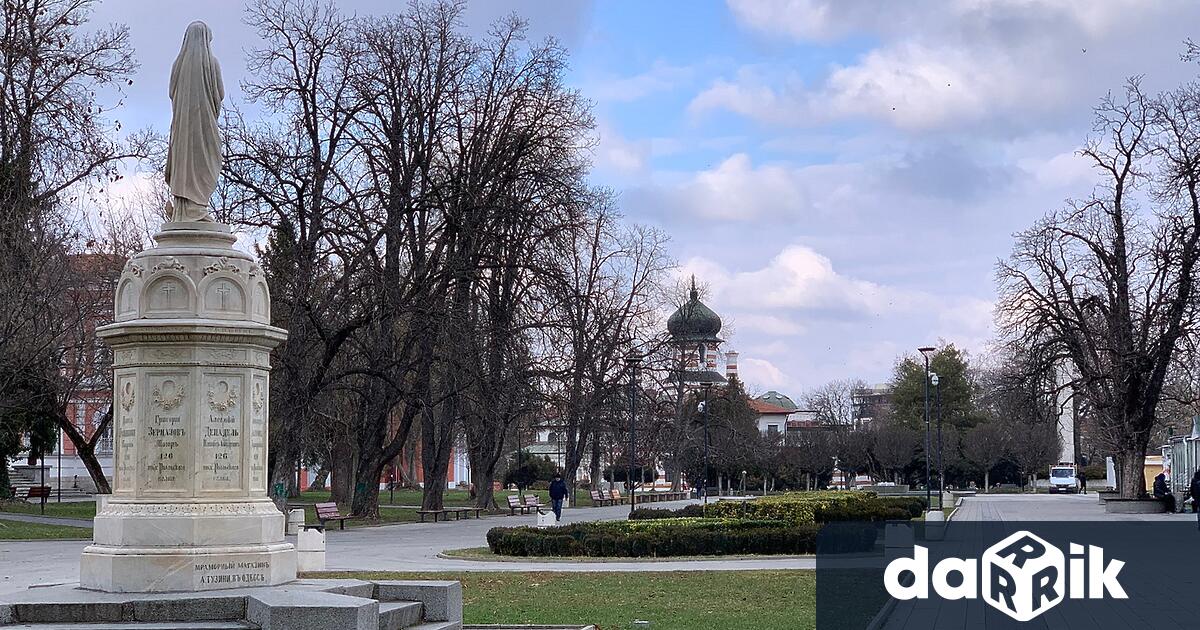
x: 695, y: 336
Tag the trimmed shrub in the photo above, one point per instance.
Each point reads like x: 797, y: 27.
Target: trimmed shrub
x: 687, y: 511
x: 663, y: 538
x: 821, y: 507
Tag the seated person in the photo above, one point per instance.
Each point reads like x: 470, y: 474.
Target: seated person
x: 1161, y: 491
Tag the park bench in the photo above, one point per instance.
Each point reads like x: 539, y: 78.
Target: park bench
x: 615, y: 496
x: 459, y: 513
x: 514, y: 504
x: 445, y: 513
x: 599, y: 500
x: 468, y: 510
x: 39, y: 492
x: 328, y: 512
x: 532, y: 502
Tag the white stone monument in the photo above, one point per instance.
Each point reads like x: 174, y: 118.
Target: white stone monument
x: 191, y: 348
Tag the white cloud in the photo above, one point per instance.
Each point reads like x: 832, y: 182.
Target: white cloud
x: 797, y: 279
x: 661, y: 77
x: 761, y: 374
x: 955, y: 63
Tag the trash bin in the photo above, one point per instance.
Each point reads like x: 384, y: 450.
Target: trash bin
x: 310, y: 550
x: 295, y: 519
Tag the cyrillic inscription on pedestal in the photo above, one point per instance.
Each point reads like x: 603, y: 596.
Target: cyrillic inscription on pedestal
x: 234, y: 573
x: 163, y: 453
x: 220, y: 463
x: 258, y: 434
x: 126, y: 442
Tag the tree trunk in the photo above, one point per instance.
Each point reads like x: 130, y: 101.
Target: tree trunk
x: 987, y: 486
x: 595, y: 464
x: 342, y: 486
x: 1132, y: 465
x: 85, y: 447
x: 87, y: 454
x: 365, y: 503
x: 318, y: 482
x: 485, y: 496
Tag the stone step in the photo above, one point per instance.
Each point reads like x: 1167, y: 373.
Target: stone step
x: 437, y: 625
x: 133, y: 625
x: 399, y: 615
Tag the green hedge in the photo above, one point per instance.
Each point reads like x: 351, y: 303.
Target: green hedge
x: 687, y: 511
x: 660, y: 538
x: 821, y: 507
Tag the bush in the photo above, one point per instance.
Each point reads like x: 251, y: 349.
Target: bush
x: 822, y: 507
x: 687, y: 511
x: 666, y: 537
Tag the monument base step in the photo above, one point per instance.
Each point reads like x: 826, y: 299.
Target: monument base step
x: 125, y: 625
x: 300, y: 605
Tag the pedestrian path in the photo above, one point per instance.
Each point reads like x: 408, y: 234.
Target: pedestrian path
x: 47, y: 520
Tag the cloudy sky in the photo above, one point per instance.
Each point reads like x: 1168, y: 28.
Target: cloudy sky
x: 841, y: 174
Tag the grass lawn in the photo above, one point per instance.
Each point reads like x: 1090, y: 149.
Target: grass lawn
x: 452, y: 498
x: 74, y: 509
x: 20, y: 530
x: 684, y: 600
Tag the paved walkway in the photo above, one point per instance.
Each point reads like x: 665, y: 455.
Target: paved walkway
x: 405, y: 547
x: 46, y: 520
x: 1048, y: 507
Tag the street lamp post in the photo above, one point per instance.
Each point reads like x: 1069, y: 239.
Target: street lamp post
x: 632, y: 360
x: 937, y: 394
x: 704, y: 409
x: 925, y: 351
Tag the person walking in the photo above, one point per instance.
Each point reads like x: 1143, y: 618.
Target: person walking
x: 1083, y: 482
x: 1194, y: 490
x: 558, y: 492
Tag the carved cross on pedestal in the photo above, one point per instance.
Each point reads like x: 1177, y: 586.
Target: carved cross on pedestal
x: 223, y: 291
x: 168, y: 291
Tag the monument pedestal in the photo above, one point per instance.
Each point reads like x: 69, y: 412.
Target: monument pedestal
x: 191, y: 346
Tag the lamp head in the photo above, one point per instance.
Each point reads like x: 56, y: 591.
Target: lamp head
x: 927, y: 350
x: 933, y: 378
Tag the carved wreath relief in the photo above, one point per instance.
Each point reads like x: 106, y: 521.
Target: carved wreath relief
x: 169, y: 395
x: 127, y: 396
x: 222, y: 397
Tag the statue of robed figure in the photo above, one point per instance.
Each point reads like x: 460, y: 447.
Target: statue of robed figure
x: 194, y: 154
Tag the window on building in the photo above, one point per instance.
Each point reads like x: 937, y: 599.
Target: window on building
x: 772, y: 429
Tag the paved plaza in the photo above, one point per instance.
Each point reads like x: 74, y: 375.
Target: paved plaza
x: 404, y: 547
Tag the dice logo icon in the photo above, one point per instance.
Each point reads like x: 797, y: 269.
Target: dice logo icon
x: 1023, y: 576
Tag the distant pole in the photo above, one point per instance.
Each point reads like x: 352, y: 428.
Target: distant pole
x: 632, y: 360
x: 704, y: 488
x: 937, y: 388
x: 59, y: 466
x: 925, y: 377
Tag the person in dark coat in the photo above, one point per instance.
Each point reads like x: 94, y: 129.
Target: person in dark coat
x: 558, y: 492
x: 1161, y: 491
x: 1194, y: 490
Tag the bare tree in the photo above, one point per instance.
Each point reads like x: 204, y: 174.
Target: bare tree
x: 1108, y: 286
x: 985, y: 446
x: 834, y: 402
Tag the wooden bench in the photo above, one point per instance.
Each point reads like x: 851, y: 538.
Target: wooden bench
x: 445, y: 512
x: 514, y: 504
x: 39, y: 492
x: 468, y: 510
x: 615, y: 496
x: 328, y: 512
x: 533, y: 502
x: 599, y: 500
